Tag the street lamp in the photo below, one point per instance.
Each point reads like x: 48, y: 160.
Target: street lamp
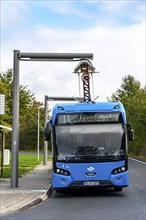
x: 38, y: 136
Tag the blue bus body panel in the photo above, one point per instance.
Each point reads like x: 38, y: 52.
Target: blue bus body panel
x: 88, y: 107
x: 78, y: 173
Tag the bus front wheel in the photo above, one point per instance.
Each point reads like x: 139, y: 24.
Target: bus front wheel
x: 59, y: 190
x: 118, y: 189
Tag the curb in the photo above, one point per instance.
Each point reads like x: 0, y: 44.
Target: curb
x: 140, y: 161
x: 44, y: 197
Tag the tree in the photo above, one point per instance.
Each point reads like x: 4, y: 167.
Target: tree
x: 6, y: 88
x: 133, y: 98
x: 27, y: 114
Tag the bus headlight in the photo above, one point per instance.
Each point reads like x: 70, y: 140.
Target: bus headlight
x: 57, y: 170
x: 123, y: 168
x: 62, y: 172
x: 119, y: 170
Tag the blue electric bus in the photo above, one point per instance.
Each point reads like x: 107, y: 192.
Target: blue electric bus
x: 89, y: 145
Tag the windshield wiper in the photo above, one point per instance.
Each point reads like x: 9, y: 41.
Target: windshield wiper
x: 93, y: 157
x: 75, y: 157
x: 86, y: 150
x: 109, y: 157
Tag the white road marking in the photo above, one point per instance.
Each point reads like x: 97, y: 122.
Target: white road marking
x: 137, y: 160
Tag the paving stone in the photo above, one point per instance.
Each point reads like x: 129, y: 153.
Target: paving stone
x: 33, y: 187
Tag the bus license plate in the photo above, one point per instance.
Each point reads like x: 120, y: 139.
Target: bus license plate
x: 91, y: 183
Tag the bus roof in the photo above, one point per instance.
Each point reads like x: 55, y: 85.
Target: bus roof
x: 88, y: 107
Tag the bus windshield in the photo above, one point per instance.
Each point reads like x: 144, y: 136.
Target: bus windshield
x: 90, y: 142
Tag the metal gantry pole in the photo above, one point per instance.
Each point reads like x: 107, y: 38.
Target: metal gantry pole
x: 15, y: 121
x: 18, y: 56
x: 45, y: 121
x: 79, y: 85
x: 38, y: 133
x: 55, y: 56
x: 2, y: 153
x: 92, y: 86
x: 38, y: 138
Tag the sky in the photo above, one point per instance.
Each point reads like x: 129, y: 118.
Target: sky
x: 113, y: 30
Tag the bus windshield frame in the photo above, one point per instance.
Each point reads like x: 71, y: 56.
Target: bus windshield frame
x: 88, y: 140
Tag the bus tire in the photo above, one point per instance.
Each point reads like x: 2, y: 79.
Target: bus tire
x: 59, y: 190
x: 118, y: 189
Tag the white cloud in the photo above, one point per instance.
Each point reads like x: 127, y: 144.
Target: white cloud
x: 71, y: 8
x: 13, y: 13
x: 117, y: 13
x: 118, y: 51
x: 107, y: 9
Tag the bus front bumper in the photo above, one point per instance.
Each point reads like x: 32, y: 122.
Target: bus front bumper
x: 116, y: 180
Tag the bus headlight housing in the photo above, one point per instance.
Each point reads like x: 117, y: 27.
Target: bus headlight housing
x: 62, y: 172
x: 119, y: 170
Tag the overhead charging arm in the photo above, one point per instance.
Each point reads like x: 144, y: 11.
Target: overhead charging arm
x: 85, y: 68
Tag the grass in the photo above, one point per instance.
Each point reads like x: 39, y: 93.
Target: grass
x: 140, y: 157
x: 27, y: 162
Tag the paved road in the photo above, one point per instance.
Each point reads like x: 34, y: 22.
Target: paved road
x: 100, y: 205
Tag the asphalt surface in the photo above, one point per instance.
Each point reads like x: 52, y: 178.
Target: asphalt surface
x: 130, y: 204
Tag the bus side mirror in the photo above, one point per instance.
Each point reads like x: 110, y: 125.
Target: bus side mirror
x: 130, y: 132
x: 47, y: 131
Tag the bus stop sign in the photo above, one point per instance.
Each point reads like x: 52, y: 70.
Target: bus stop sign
x: 2, y: 104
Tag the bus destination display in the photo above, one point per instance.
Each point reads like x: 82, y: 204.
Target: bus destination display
x: 92, y: 117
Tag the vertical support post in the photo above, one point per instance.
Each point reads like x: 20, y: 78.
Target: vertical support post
x: 38, y: 133
x: 2, y: 154
x: 79, y: 85
x: 38, y: 139
x: 15, y: 121
x: 45, y: 121
x: 92, y: 86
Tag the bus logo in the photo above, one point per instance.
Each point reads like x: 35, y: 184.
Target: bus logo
x: 90, y: 168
